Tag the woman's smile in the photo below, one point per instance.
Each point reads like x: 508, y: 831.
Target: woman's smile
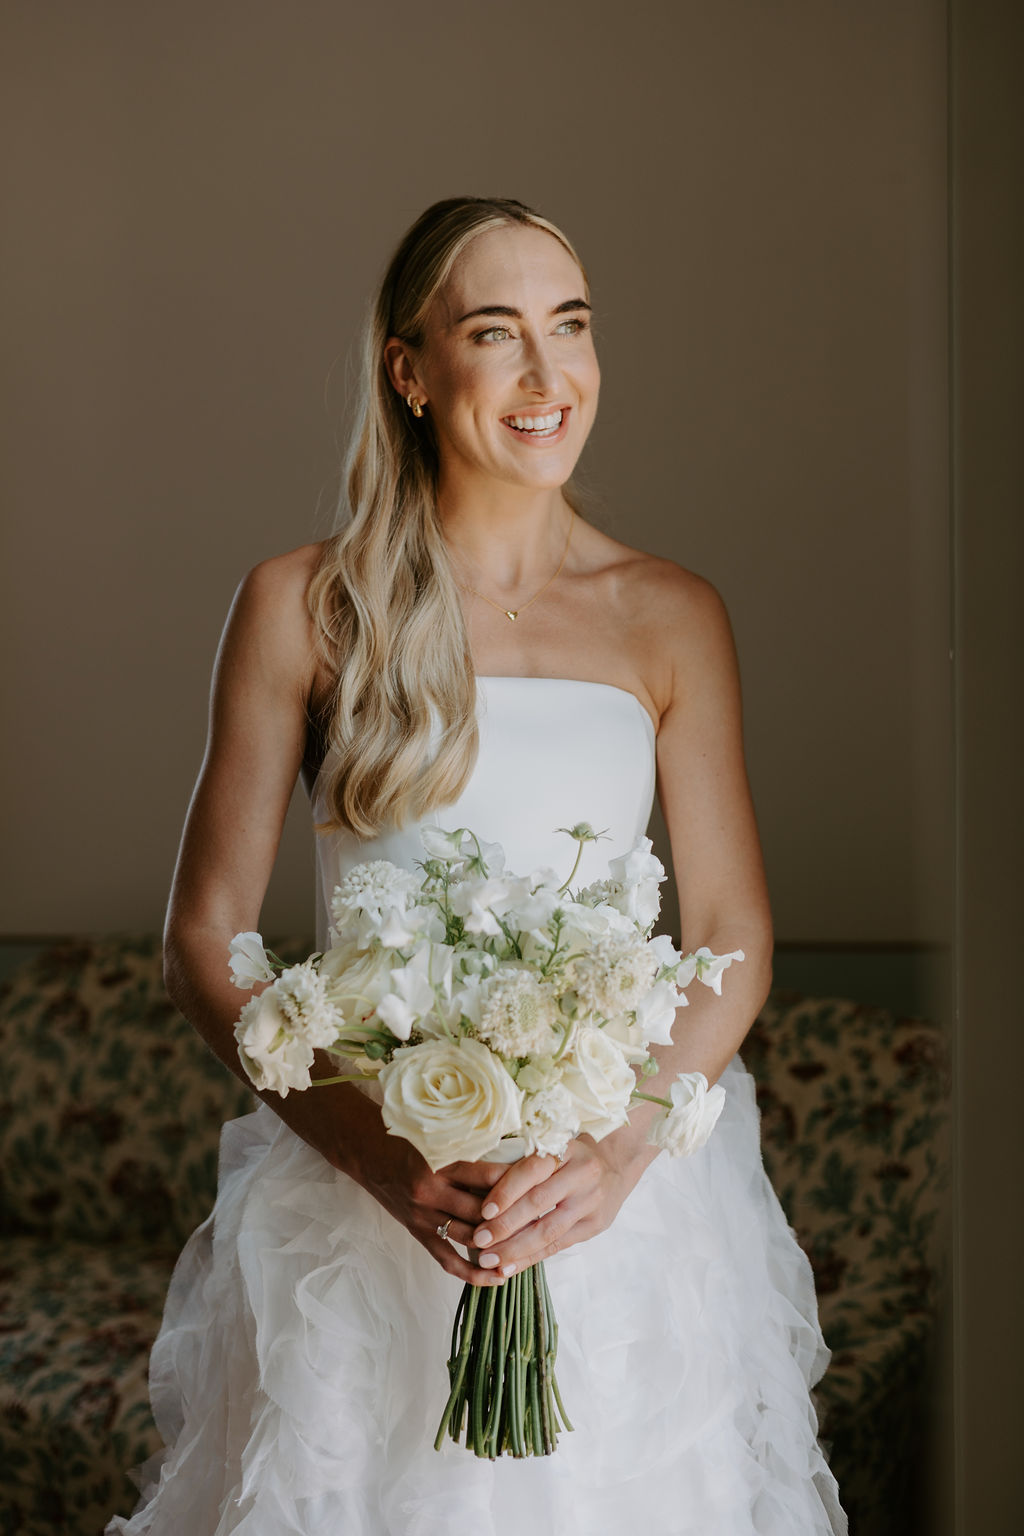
x: 537, y: 426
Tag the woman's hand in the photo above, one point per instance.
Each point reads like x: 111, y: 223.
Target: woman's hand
x: 395, y: 1174
x: 540, y: 1206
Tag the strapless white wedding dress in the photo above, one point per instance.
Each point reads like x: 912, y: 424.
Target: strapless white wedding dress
x: 300, y: 1371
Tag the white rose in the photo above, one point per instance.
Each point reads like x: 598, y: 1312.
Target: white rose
x: 357, y: 984
x: 600, y: 1080
x: 452, y: 1100
x: 249, y: 963
x: 271, y: 1055
x: 628, y: 1036
x: 688, y: 1124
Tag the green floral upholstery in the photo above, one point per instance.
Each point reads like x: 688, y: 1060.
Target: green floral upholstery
x: 110, y: 1113
x: 855, y: 1133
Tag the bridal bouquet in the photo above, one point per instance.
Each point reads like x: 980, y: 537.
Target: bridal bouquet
x: 499, y: 1014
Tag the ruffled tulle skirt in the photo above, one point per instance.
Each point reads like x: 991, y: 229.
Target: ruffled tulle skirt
x: 300, y: 1371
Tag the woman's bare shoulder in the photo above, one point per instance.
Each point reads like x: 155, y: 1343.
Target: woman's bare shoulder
x: 270, y: 618
x: 656, y: 596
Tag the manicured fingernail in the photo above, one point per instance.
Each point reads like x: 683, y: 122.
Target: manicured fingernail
x: 509, y: 1269
x: 489, y: 1261
x: 488, y: 1211
x: 482, y: 1238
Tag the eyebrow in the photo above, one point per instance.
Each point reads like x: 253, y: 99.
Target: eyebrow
x: 508, y: 312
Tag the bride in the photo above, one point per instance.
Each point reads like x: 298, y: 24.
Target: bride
x: 469, y: 651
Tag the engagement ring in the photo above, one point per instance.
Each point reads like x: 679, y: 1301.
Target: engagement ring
x: 442, y: 1230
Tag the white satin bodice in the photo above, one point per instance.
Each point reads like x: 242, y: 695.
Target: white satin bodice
x: 553, y: 751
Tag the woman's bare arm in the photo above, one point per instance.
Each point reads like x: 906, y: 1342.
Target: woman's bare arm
x: 723, y: 901
x: 263, y: 679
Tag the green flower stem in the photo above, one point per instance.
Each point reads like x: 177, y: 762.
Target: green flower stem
x: 481, y: 1372
x: 472, y: 1302
x: 325, y: 1082
x: 531, y: 1370
x: 553, y: 1346
x: 519, y: 1373
x: 651, y: 1098
x: 493, y: 1429
x: 572, y: 873
x: 543, y: 1363
x: 504, y: 1397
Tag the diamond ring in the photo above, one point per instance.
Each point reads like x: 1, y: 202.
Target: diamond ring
x: 442, y: 1230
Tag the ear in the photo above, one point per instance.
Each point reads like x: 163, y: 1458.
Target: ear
x: 400, y: 361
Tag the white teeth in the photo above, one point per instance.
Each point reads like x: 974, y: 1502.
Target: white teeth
x: 536, y: 423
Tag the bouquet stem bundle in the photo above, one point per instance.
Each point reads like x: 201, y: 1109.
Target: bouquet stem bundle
x: 504, y: 1397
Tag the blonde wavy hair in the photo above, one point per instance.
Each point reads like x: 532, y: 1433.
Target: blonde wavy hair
x: 399, y: 725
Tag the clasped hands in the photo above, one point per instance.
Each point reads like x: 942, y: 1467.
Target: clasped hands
x: 509, y: 1217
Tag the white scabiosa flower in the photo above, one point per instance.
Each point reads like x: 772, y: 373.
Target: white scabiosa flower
x: 371, y: 897
x: 516, y: 1014
x: 615, y: 976
x: 304, y: 999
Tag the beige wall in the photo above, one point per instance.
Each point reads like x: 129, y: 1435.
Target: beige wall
x: 202, y: 196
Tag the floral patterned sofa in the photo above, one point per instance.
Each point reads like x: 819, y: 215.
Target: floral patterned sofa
x: 110, y: 1110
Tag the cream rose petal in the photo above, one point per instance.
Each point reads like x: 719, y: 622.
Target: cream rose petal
x: 600, y: 1080
x: 453, y: 1100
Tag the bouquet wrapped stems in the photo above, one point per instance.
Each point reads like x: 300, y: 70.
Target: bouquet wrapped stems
x: 504, y: 1397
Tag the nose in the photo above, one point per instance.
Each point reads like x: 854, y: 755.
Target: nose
x: 539, y: 375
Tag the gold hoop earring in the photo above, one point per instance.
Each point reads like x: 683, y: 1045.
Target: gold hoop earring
x: 414, y: 405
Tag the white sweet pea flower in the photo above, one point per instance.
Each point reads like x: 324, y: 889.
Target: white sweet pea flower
x: 411, y: 997
x: 480, y: 902
x: 633, y: 883
x: 273, y: 1057
x: 640, y: 863
x: 534, y: 910
x: 417, y: 991
x: 710, y: 967
x: 249, y: 963
x: 656, y: 1013
x: 439, y: 844
x: 464, y: 849
x: 694, y: 1113
x: 664, y: 951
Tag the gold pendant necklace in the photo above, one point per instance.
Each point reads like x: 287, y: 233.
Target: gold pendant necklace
x: 513, y: 613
